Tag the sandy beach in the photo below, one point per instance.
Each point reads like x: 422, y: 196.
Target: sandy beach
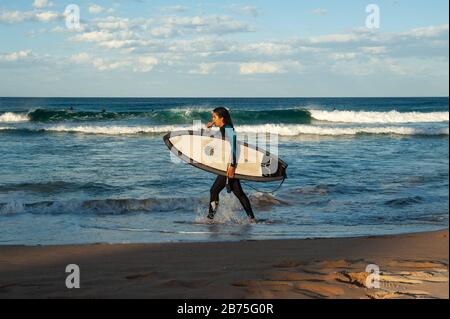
x: 411, y: 266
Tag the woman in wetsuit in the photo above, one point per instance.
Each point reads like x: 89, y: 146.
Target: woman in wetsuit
x: 221, y: 118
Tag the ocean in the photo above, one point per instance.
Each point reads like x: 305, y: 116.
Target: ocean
x: 96, y: 170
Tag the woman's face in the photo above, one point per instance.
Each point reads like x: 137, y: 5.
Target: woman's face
x: 218, y: 121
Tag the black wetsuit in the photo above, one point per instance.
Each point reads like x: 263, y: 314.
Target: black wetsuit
x: 233, y: 183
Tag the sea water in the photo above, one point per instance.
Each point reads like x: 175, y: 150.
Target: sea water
x: 88, y: 170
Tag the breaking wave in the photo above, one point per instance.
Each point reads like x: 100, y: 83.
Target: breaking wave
x: 379, y: 117
x: 281, y: 130
x: 240, y: 116
x: 117, y: 206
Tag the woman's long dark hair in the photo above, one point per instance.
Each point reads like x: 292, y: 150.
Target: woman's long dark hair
x: 225, y: 114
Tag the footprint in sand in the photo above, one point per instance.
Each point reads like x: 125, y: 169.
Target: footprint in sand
x: 317, y: 279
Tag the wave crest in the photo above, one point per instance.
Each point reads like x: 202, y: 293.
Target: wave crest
x: 240, y: 116
x: 281, y: 130
x: 10, y: 117
x: 296, y: 130
x: 379, y: 117
x: 118, y: 206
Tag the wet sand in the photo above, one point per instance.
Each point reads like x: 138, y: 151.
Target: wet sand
x: 411, y: 266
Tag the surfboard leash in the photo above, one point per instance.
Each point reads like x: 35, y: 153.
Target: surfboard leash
x: 265, y: 192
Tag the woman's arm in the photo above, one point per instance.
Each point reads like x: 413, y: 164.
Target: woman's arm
x: 230, y: 135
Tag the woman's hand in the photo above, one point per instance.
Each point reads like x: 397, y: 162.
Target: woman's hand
x: 231, y: 172
x: 210, y: 124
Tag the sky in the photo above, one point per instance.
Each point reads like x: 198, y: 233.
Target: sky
x: 290, y: 48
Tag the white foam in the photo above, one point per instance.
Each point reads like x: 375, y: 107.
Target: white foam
x: 119, y: 130
x: 379, y: 117
x: 9, y: 117
x: 189, y: 110
x: 16, y: 205
x: 279, y: 129
x: 294, y: 130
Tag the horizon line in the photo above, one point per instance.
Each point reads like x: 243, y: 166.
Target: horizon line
x: 222, y: 97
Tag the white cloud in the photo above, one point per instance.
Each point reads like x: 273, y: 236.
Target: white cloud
x: 116, y: 44
x: 347, y: 56
x: 374, y: 50
x: 112, y: 23
x: 171, y: 26
x: 175, y: 8
x: 195, y: 45
x: 103, y: 65
x: 93, y: 36
x: 63, y: 29
x: 261, y: 68
x: 42, y: 3
x: 163, y: 32
x: 10, y: 17
x: 96, y: 9
x: 135, y: 37
x: 245, y: 10
x: 177, y: 26
x: 47, y: 16
x: 265, y: 48
x: 58, y: 29
x: 13, y: 16
x: 428, y: 32
x: 80, y: 58
x: 336, y: 38
x: 15, y: 56
x: 203, y: 69
x: 145, y: 64
x: 366, y: 35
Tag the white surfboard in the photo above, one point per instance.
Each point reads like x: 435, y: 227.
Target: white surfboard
x: 211, y: 153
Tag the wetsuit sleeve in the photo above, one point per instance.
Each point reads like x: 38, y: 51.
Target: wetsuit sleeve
x: 231, y: 137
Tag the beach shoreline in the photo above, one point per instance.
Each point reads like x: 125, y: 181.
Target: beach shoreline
x: 410, y: 266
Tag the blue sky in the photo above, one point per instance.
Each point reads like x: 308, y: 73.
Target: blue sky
x: 224, y: 48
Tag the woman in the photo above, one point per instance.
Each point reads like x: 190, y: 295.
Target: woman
x: 221, y: 118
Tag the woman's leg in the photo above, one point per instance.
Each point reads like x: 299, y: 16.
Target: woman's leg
x: 236, y: 187
x: 217, y: 187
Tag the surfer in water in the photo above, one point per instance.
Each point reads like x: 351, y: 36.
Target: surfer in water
x: 221, y: 118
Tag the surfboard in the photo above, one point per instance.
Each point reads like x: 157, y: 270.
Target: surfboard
x: 210, y: 152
